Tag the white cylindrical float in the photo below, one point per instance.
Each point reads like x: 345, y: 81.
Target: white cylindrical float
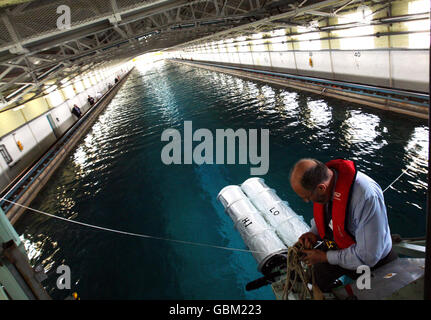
x: 288, y: 225
x: 256, y: 233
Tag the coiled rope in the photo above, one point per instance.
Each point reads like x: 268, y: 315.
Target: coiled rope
x: 297, y: 272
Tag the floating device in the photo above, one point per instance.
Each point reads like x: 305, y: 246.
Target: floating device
x: 257, y: 234
x: 267, y: 224
x: 288, y: 225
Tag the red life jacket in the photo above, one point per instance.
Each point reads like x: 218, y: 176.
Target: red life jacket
x: 346, y: 170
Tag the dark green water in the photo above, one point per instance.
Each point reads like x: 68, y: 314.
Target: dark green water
x: 115, y: 178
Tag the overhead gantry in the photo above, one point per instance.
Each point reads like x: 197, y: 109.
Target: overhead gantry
x: 36, y: 51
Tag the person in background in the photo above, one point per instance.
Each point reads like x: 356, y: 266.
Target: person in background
x: 116, y: 79
x: 90, y: 100
x: 98, y: 95
x: 76, y: 111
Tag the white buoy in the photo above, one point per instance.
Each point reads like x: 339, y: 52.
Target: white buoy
x: 256, y: 233
x: 288, y: 225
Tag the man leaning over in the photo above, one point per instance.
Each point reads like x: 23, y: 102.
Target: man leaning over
x: 349, y: 209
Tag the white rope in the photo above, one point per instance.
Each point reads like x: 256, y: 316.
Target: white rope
x: 404, y: 171
x: 148, y: 236
x: 129, y: 233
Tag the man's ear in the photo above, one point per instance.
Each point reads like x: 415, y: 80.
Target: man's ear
x: 321, y: 187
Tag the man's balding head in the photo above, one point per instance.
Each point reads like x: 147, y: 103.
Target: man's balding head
x: 310, y: 179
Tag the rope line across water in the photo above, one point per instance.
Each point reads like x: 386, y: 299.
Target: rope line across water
x: 129, y: 233
x: 154, y: 237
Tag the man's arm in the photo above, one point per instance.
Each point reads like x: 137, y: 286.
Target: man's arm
x: 372, y: 236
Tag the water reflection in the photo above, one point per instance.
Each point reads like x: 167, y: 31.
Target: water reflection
x: 361, y: 131
x: 35, y: 248
x: 416, y: 157
x: 239, y: 84
x: 268, y: 93
x: 252, y: 89
x: 81, y: 160
x: 317, y: 114
x: 290, y: 103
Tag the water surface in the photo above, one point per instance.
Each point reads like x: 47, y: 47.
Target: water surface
x: 115, y: 178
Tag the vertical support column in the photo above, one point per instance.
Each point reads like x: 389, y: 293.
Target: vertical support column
x: 293, y: 51
x: 216, y: 7
x: 269, y: 54
x: 218, y: 51
x: 330, y: 51
x: 251, y: 54
x: 237, y: 52
x: 390, y: 47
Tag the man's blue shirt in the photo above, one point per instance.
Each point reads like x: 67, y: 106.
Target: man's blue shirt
x: 368, y: 222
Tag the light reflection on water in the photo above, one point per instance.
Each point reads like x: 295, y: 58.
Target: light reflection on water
x: 361, y: 130
x: 417, y: 151
x: 319, y: 115
x: 115, y: 178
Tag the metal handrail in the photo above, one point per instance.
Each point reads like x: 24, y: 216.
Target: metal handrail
x: 332, y: 82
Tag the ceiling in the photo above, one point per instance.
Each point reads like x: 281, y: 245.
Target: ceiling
x: 34, y: 51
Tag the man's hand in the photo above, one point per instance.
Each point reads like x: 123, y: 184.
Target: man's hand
x: 314, y: 256
x: 308, y: 240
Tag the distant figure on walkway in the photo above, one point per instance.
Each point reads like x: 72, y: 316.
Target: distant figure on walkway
x: 116, y: 79
x: 110, y: 86
x: 98, y: 95
x: 76, y: 111
x: 90, y: 100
